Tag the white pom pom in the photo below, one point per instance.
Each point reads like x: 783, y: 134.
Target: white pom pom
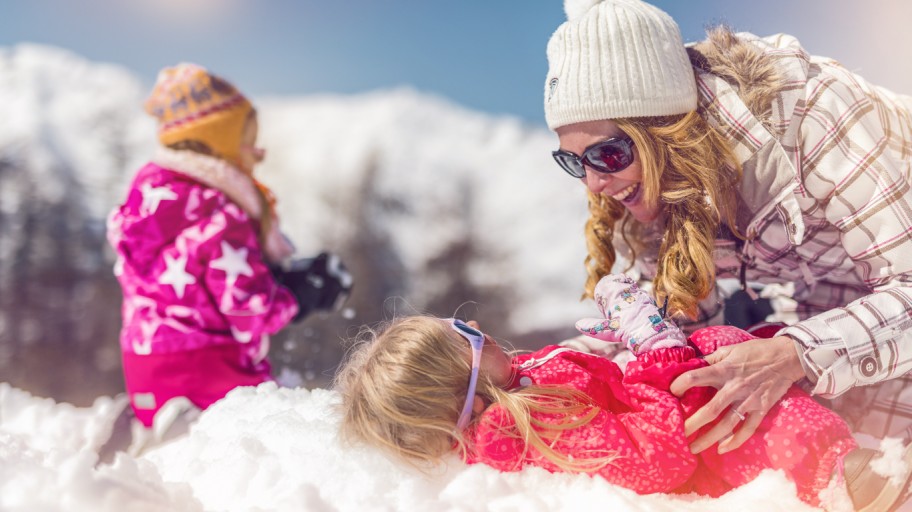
x: 576, y: 9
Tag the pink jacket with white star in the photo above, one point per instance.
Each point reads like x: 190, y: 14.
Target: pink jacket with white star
x: 190, y: 263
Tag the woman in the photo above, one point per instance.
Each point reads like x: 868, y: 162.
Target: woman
x: 746, y: 157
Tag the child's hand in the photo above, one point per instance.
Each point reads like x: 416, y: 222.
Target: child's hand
x: 630, y: 317
x: 322, y: 283
x: 616, y: 291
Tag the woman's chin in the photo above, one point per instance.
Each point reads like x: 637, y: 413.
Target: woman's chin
x: 644, y: 215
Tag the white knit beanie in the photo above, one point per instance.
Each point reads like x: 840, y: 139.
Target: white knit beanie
x: 613, y: 59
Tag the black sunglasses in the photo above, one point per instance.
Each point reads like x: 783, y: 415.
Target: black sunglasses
x: 608, y: 156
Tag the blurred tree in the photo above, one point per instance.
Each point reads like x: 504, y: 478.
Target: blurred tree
x: 59, y: 302
x: 314, y: 348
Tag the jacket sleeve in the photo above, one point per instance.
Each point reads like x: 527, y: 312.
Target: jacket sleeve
x: 646, y: 440
x: 239, y: 281
x: 852, y: 163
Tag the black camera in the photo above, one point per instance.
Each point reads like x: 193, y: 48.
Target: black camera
x: 319, y: 284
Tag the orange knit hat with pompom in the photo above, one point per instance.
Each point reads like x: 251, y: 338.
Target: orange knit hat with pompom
x: 192, y: 104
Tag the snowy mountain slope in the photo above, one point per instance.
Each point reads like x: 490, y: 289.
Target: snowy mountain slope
x: 65, y: 117
x: 448, y: 174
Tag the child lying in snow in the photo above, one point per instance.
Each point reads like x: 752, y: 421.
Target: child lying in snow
x: 564, y: 410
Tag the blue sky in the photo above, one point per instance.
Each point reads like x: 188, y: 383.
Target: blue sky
x: 487, y: 55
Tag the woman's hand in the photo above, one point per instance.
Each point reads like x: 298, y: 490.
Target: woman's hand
x: 751, y: 377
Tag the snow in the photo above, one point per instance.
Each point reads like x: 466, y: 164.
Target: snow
x: 891, y: 464
x: 270, y: 448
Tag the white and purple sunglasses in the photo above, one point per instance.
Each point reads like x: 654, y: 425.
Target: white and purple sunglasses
x: 476, y: 340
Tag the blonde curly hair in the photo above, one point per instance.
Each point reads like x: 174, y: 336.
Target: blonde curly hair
x: 690, y: 170
x: 402, y: 390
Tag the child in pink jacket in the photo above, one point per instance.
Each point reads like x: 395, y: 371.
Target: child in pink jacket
x: 194, y: 239
x: 425, y: 387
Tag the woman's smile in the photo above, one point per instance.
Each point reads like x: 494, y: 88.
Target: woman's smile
x: 627, y: 194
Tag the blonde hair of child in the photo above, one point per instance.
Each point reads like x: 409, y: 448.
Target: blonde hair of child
x: 403, y: 389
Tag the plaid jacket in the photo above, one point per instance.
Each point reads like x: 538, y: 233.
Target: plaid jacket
x: 827, y: 207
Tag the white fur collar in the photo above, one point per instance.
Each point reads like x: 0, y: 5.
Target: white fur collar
x: 216, y: 173
x: 237, y: 185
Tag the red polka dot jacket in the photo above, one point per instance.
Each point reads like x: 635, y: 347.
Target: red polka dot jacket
x: 642, y: 423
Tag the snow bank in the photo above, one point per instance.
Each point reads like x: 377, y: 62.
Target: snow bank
x: 271, y: 448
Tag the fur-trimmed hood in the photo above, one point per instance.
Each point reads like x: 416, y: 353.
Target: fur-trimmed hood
x: 749, y: 89
x: 751, y: 73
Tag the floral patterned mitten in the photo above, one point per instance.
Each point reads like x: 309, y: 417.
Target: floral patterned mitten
x: 631, y: 317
